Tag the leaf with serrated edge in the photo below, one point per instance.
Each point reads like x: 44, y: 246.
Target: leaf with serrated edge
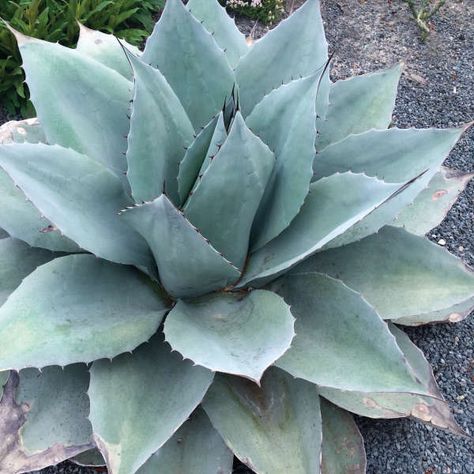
x: 333, y: 205
x: 358, y: 104
x: 224, y: 203
x: 18, y: 215
x: 217, y: 140
x: 130, y: 423
x: 272, y: 429
x: 297, y: 47
x: 193, y: 159
x: 341, y: 341
x: 18, y: 260
x: 399, y: 273
x: 160, y: 131
x: 215, y: 19
x: 177, y: 40
x: 286, y: 121
x: 106, y: 49
x: 343, y: 446
x: 80, y: 196
x: 397, y: 405
x: 433, y: 203
x: 392, y: 155
x: 187, y: 264
x: 59, y: 394
x: 90, y: 106
x: 196, y: 448
x: 53, y: 326
x: 230, y: 332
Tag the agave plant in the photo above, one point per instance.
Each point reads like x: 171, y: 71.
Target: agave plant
x: 208, y: 249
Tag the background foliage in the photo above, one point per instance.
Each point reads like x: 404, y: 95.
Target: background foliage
x: 265, y: 11
x: 56, y: 20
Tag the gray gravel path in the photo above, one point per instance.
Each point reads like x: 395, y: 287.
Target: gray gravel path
x: 436, y: 90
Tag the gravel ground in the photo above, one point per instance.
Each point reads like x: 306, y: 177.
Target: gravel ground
x: 435, y: 90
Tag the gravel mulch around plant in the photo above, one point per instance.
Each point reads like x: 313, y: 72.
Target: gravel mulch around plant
x: 436, y: 90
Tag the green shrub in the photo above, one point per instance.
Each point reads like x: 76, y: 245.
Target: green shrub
x: 265, y: 11
x: 56, y: 21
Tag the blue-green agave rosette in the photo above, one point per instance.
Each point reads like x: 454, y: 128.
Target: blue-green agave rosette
x: 207, y: 250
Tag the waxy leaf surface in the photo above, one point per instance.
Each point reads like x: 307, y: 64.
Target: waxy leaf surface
x: 224, y: 203
x: 272, y: 428
x: 297, y: 48
x: 341, y: 341
x: 138, y: 401
x: 46, y: 321
x: 196, y: 448
x: 80, y: 196
x: 174, y: 46
x: 160, y: 131
x: 187, y: 263
x: 234, y: 333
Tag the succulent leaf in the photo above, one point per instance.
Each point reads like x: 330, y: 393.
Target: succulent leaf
x: 341, y: 341
x: 196, y: 448
x: 396, y: 405
x: 433, y: 203
x: 160, y: 131
x: 90, y: 107
x: 224, y: 203
x: 45, y: 321
x: 394, y: 155
x: 272, y: 428
x: 84, y: 208
x: 188, y: 264
x: 43, y: 418
x: 18, y: 216
x: 295, y: 49
x: 285, y: 120
x: 106, y: 49
x: 17, y: 260
x: 57, y: 407
x: 359, y: 104
x: 215, y: 19
x: 386, y: 213
x: 400, y: 274
x: 333, y: 206
x: 129, y: 422
x: 218, y: 138
x: 343, y: 447
x: 195, y: 156
x: 230, y: 332
x: 177, y: 40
